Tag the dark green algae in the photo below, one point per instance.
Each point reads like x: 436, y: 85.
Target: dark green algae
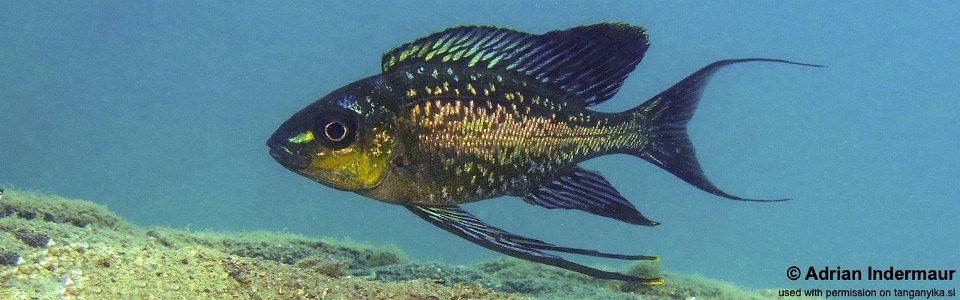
x: 58, y: 248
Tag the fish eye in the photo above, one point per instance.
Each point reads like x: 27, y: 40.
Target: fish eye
x: 335, y: 131
x: 338, y: 131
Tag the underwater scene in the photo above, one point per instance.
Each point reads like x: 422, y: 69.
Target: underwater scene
x: 479, y: 150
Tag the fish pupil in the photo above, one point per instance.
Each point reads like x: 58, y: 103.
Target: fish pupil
x: 335, y: 131
x: 338, y: 131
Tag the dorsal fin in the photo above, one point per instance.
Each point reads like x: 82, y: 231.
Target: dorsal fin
x: 588, y: 62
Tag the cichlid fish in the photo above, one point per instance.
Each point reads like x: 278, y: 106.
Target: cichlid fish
x: 473, y: 113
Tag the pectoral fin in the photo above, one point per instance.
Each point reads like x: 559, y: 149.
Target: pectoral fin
x: 587, y: 191
x: 465, y: 225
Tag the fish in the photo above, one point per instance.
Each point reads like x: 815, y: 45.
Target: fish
x: 478, y: 112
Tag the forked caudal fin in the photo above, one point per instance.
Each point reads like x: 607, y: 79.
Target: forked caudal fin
x: 665, y: 118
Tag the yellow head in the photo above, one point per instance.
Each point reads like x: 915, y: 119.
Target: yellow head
x: 342, y: 141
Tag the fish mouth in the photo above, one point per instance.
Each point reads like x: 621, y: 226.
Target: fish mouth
x: 293, y: 160
x: 299, y: 165
x: 287, y: 158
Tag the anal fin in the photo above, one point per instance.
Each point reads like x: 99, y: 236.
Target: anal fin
x: 465, y: 225
x: 588, y: 191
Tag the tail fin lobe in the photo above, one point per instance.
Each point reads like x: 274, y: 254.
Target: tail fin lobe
x: 666, y: 116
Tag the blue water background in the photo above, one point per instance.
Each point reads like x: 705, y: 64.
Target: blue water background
x: 159, y: 110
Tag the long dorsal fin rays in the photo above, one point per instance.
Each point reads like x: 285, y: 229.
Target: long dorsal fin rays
x: 465, y: 225
x: 665, y: 118
x: 589, y: 63
x: 587, y: 191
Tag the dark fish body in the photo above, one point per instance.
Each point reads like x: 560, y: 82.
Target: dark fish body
x: 467, y: 135
x: 473, y: 113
